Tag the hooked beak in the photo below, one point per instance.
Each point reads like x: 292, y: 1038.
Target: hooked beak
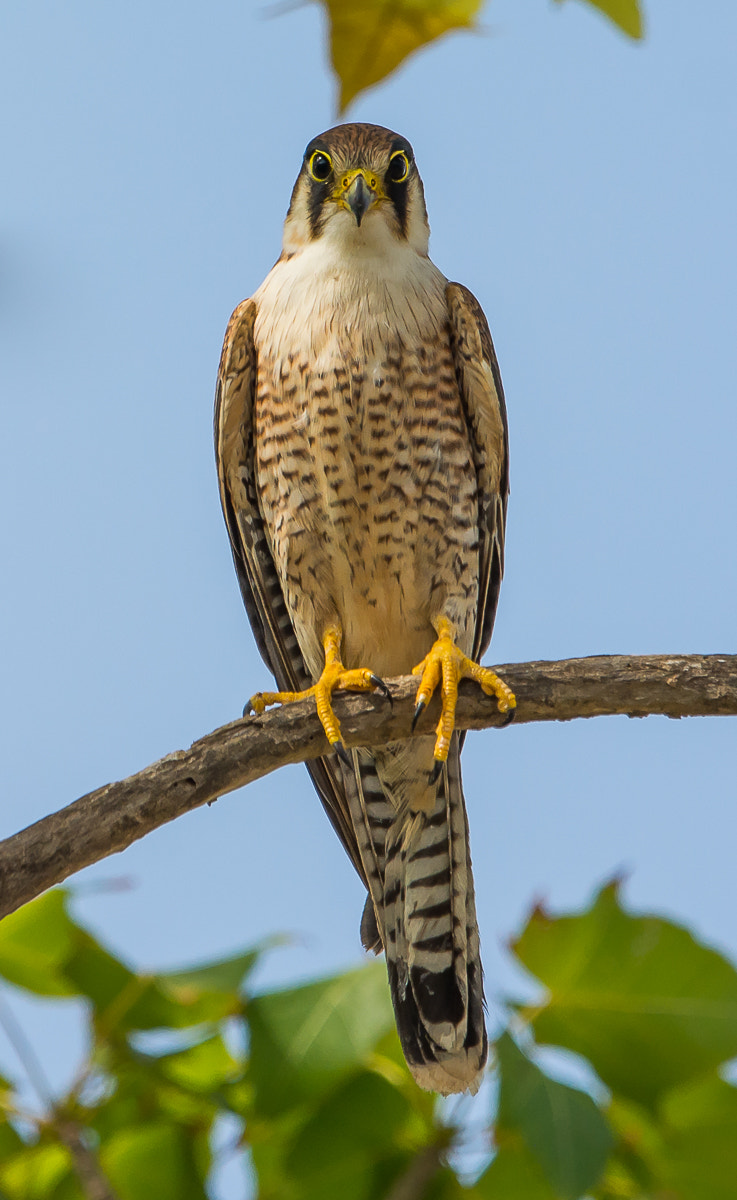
x: 359, y: 195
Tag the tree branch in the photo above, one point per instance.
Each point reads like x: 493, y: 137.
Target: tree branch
x: 109, y: 819
x: 415, y: 1181
x: 92, y: 1181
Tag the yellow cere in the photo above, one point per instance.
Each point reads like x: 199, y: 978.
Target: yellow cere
x: 369, y: 177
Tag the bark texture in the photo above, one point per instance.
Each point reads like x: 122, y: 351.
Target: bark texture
x: 107, y: 820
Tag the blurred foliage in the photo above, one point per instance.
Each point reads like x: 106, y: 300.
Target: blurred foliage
x: 311, y: 1084
x: 370, y: 38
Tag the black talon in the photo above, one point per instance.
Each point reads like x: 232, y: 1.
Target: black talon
x: 418, y: 713
x: 435, y: 773
x: 508, y: 719
x: 342, y: 753
x: 379, y: 683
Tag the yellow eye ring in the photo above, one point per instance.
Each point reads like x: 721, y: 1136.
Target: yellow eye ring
x: 398, y: 167
x: 320, y: 166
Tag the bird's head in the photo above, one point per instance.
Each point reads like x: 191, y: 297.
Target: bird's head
x: 359, y: 187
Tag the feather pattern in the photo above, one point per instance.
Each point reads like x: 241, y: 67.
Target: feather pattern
x: 234, y: 429
x: 361, y: 442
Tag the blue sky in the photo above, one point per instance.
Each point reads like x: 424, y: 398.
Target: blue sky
x: 583, y: 186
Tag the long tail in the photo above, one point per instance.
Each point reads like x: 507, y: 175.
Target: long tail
x: 414, y: 843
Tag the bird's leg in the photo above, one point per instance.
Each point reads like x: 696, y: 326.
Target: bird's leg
x: 334, y: 678
x: 447, y: 665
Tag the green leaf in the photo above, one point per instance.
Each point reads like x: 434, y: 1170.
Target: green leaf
x: 364, y: 1121
x: 445, y: 1185
x: 35, y: 1172
x: 152, y: 1162
x: 43, y: 950
x: 201, y: 1068
x: 10, y: 1142
x: 142, y: 1094
x: 708, y: 1103
x: 69, y: 1188
x: 561, y: 1126
x: 213, y: 990
x: 639, y: 1143
x: 515, y: 1174
x: 223, y: 976
x: 685, y: 1151
x: 6, y: 1086
x: 122, y: 1000
x: 641, y: 999
x: 269, y: 1140
x: 624, y: 13
x: 305, y: 1039
x: 173, y: 1000
x: 700, y: 1153
x: 388, y: 1060
x: 35, y: 943
x: 101, y: 977
x: 370, y: 38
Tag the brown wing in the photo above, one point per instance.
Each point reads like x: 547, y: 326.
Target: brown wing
x: 480, y: 384
x: 254, y: 564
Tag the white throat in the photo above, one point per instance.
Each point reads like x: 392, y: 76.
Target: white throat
x: 377, y: 286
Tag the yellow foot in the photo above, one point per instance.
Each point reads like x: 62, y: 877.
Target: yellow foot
x: 447, y: 665
x: 334, y: 678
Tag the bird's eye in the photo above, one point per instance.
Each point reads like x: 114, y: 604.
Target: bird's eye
x: 320, y: 166
x: 398, y: 167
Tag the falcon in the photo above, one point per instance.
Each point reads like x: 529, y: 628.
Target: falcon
x: 362, y: 453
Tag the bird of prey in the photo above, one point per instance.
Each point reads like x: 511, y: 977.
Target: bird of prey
x: 361, y: 442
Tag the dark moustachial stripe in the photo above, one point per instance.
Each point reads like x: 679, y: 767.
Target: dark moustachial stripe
x: 397, y: 192
x: 315, y: 201
x: 317, y: 192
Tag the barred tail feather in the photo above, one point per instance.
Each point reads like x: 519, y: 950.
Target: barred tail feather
x: 423, y: 900
x: 433, y: 960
